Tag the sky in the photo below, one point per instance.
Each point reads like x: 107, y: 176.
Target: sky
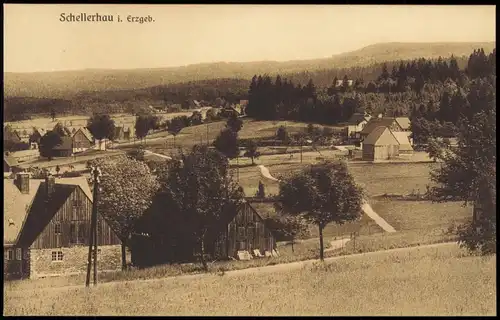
x: 36, y: 40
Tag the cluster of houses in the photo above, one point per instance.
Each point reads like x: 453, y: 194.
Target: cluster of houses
x: 47, y: 223
x: 381, y: 138
x: 73, y: 141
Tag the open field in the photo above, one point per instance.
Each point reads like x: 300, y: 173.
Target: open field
x: 418, y: 281
x: 392, y: 178
x: 79, y: 121
x: 425, y: 215
x: 190, y: 136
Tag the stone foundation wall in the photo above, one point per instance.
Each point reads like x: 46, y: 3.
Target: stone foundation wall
x: 74, y: 260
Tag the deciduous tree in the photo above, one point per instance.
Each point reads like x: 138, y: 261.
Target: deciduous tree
x: 323, y: 194
x: 199, y: 191
x: 251, y: 150
x: 127, y: 189
x: 227, y: 143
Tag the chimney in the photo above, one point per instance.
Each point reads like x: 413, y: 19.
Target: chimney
x: 23, y: 182
x: 50, y: 182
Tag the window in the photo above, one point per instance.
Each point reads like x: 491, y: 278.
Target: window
x: 19, y: 254
x: 77, y: 207
x: 241, y: 232
x: 57, y: 255
x: 78, y: 233
x: 57, y: 228
x: 10, y: 254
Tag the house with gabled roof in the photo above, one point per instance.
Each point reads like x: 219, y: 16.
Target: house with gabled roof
x: 380, y: 144
x: 241, y: 230
x: 356, y: 123
x: 405, y: 146
x: 37, y: 134
x: 404, y: 123
x: 65, y: 148
x: 388, y: 122
x: 9, y: 163
x: 47, y: 228
x: 82, y: 140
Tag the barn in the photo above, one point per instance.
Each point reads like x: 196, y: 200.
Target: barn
x: 46, y: 228
x: 380, y: 145
x: 243, y: 230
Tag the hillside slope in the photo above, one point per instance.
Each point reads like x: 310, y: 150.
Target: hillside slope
x: 64, y: 84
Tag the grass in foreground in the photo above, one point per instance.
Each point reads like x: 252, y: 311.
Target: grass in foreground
x: 427, y: 281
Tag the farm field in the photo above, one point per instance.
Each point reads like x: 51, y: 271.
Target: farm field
x: 417, y: 281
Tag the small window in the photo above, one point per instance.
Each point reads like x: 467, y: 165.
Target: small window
x: 241, y: 232
x: 19, y: 254
x: 57, y: 228
x: 57, y: 255
x: 10, y: 254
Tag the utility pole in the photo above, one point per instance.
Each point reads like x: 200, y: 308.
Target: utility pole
x: 207, y: 134
x: 96, y: 172
x: 238, y: 168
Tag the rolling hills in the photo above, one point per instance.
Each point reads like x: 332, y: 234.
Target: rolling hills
x: 64, y: 84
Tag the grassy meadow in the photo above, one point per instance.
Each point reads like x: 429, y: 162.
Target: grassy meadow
x: 437, y: 281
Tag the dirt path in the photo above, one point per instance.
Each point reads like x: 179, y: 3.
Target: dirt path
x: 266, y: 174
x: 378, y: 219
x: 158, y: 154
x: 273, y: 268
x: 367, y: 209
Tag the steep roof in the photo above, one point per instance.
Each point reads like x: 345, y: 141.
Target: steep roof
x: 85, y: 132
x: 404, y: 122
x: 42, y: 211
x: 377, y: 122
x: 402, y: 138
x: 357, y: 118
x: 66, y: 144
x: 10, y: 161
x: 381, y: 136
x: 15, y: 207
x: 40, y: 131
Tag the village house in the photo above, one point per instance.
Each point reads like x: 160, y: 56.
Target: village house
x: 243, y: 231
x: 64, y: 149
x: 66, y: 131
x: 388, y: 122
x: 380, y: 144
x: 10, y: 135
x: 404, y: 123
x: 47, y: 227
x: 119, y: 133
x: 356, y: 123
x: 340, y: 83
x: 23, y: 135
x: 82, y: 140
x: 405, y: 146
x: 36, y: 135
x: 9, y: 165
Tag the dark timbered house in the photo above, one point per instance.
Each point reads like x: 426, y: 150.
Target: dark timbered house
x: 241, y: 230
x: 46, y: 228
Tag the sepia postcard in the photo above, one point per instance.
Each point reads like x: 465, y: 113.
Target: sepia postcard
x: 249, y: 160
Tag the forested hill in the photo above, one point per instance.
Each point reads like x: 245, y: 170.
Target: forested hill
x: 65, y: 84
